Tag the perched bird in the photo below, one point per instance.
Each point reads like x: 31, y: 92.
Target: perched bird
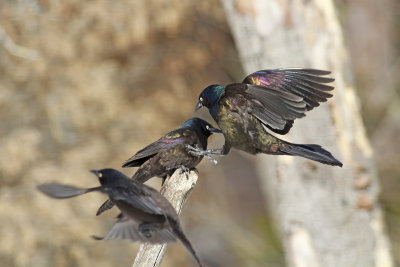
x: 270, y: 99
x: 146, y: 216
x: 169, y: 153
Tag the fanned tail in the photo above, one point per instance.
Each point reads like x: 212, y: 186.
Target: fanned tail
x: 181, y: 236
x: 313, y: 152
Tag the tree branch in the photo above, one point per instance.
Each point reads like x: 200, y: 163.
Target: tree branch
x: 176, y: 190
x: 17, y: 50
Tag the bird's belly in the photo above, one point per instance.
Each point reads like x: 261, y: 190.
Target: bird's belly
x: 179, y: 156
x: 236, y: 134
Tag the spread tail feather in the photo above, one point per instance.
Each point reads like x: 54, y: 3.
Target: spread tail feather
x: 181, y: 236
x: 313, y: 152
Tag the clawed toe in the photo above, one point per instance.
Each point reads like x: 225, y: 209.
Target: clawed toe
x: 185, y: 170
x: 211, y: 159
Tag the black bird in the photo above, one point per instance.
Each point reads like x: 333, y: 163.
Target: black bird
x: 146, y: 216
x: 169, y: 153
x: 270, y: 99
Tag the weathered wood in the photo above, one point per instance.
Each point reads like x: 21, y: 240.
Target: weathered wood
x: 329, y: 216
x: 176, y: 189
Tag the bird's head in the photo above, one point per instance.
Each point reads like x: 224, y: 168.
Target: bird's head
x: 210, y: 96
x: 201, y: 126
x: 109, y: 176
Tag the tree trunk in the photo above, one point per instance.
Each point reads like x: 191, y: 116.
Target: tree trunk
x: 329, y: 216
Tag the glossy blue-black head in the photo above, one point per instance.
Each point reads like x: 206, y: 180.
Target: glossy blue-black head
x: 210, y: 96
x: 201, y: 126
x: 109, y: 176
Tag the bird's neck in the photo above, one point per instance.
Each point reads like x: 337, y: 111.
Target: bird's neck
x: 203, y: 142
x: 218, y: 92
x: 213, y: 111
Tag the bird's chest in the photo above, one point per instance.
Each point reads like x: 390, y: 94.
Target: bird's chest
x: 237, y: 126
x: 179, y: 156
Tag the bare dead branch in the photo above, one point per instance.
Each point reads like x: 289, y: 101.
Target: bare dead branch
x: 17, y: 50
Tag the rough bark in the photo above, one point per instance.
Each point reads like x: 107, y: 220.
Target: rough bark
x: 176, y: 189
x: 329, y: 216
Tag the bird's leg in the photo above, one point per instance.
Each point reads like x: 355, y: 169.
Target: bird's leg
x: 216, y: 151
x: 206, y: 153
x: 185, y: 170
x: 211, y: 159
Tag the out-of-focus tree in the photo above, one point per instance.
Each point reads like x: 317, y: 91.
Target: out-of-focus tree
x: 328, y: 216
x: 85, y: 84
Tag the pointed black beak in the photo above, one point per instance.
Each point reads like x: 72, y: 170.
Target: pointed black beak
x: 96, y: 172
x: 214, y: 130
x: 198, y: 106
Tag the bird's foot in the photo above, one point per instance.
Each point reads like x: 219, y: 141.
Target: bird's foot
x: 185, y: 170
x: 206, y: 153
x: 213, y: 160
x: 195, y: 151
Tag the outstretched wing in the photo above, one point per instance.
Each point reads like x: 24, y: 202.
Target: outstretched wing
x: 128, y: 229
x: 282, y: 95
x: 56, y: 190
x: 169, y: 140
x: 138, y: 200
x: 108, y: 204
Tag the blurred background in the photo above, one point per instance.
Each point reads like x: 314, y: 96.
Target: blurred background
x: 86, y: 84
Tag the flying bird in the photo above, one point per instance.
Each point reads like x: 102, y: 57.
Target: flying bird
x: 267, y: 99
x: 146, y: 216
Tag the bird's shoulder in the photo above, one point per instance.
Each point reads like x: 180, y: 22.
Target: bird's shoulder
x: 138, y: 196
x: 167, y: 141
x: 235, y: 89
x: 235, y: 98
x: 177, y: 133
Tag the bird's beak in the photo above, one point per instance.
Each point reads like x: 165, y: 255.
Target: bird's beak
x: 214, y: 130
x: 96, y: 172
x: 198, y: 106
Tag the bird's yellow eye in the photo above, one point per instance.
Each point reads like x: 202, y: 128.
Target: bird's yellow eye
x: 100, y: 174
x: 201, y: 99
x: 207, y: 127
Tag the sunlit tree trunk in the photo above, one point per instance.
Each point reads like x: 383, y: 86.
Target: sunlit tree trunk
x: 328, y: 216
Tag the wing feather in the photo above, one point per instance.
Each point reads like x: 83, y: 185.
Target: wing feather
x: 286, y: 94
x: 128, y: 229
x: 169, y: 140
x: 306, y: 83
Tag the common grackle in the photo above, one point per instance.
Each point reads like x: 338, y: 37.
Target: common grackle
x: 270, y: 99
x: 169, y: 153
x: 146, y: 216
